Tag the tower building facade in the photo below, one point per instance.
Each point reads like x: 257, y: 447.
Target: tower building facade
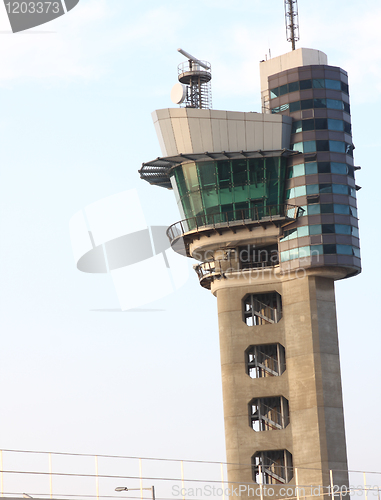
x: 268, y: 208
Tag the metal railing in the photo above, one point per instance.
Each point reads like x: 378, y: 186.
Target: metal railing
x: 233, y: 218
x: 222, y: 267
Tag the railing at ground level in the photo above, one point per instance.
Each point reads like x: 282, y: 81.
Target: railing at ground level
x: 74, y: 475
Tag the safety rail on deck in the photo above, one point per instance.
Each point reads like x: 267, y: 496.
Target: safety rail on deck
x: 233, y: 218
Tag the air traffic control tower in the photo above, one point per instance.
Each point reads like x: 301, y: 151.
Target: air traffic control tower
x: 268, y: 208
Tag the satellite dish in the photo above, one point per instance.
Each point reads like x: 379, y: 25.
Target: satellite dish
x: 178, y: 93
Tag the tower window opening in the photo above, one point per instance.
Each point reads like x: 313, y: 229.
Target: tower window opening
x: 265, y: 360
x: 252, y: 257
x: 268, y: 414
x: 262, y: 309
x: 272, y: 467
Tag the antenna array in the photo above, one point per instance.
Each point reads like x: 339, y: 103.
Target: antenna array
x: 292, y: 21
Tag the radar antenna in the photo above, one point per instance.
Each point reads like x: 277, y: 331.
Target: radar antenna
x: 194, y: 88
x: 292, y: 21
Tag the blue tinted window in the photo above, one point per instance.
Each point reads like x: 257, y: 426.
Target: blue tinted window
x: 325, y: 188
x: 341, y: 209
x: 296, y: 126
x: 347, y: 127
x: 308, y: 125
x: 334, y: 104
x: 313, y: 189
x: 305, y: 84
x: 328, y: 228
x: 307, y: 104
x: 314, y: 209
x: 335, y: 124
x: 356, y: 251
x: 294, y: 253
x: 283, y: 89
x: 309, y: 146
x: 346, y: 107
x: 274, y: 93
x: 293, y: 86
x: 318, y: 83
x: 344, y: 87
x: 302, y: 231
x: 321, y: 124
x: 317, y: 250
x: 311, y: 168
x: 355, y: 231
x: 326, y: 208
x: 324, y: 167
x: 315, y: 229
x: 294, y: 106
x: 333, y: 84
x: 320, y: 103
x: 343, y: 229
x: 337, y: 146
x: 298, y: 146
x: 298, y: 170
x: 329, y: 249
x: 339, y: 168
x: 344, y: 249
x: 304, y: 252
x: 340, y: 189
x: 353, y: 211
x: 300, y: 191
x: 285, y: 256
x: 322, y: 145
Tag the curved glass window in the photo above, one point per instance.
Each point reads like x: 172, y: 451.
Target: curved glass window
x: 316, y: 83
x: 313, y: 103
x: 217, y: 191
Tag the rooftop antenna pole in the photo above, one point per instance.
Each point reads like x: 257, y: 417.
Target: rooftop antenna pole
x: 292, y: 21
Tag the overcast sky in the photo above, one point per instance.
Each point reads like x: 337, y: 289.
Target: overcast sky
x: 75, y: 125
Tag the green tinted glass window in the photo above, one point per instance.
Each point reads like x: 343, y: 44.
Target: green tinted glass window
x: 191, y: 178
x: 224, y: 172
x: 328, y: 228
x: 180, y: 181
x: 207, y: 173
x: 316, y: 249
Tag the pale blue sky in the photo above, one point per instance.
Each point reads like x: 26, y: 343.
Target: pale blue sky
x: 75, y: 126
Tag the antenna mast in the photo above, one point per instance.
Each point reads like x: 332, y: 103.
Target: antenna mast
x: 292, y: 21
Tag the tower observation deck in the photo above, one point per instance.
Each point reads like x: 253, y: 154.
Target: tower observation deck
x: 268, y: 209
